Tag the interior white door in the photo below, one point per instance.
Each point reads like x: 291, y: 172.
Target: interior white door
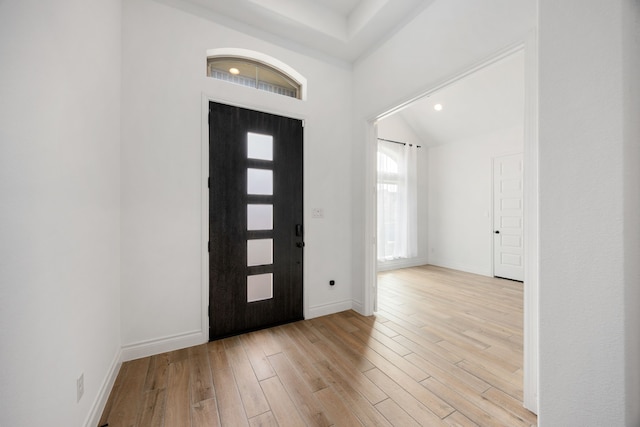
x: 508, y: 217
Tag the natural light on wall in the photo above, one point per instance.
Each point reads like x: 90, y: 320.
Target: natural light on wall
x: 397, y: 201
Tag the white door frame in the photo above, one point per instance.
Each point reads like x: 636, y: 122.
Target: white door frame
x: 530, y: 155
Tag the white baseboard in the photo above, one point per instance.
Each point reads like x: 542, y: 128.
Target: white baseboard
x: 162, y: 345
x: 460, y: 267
x: 136, y: 351
x: 105, y: 390
x: 325, y: 309
x: 357, y: 306
x: 401, y: 263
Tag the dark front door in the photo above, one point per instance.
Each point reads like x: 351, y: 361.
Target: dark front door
x: 255, y: 220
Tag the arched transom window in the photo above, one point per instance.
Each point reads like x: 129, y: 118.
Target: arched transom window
x: 255, y: 70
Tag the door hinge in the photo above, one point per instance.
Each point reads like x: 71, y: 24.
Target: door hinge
x: 209, y: 182
x: 208, y: 246
x: 209, y: 117
x: 209, y: 310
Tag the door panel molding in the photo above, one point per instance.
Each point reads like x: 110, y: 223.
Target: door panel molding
x: 508, y: 216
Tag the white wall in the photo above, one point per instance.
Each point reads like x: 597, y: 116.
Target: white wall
x: 461, y: 199
x: 585, y: 364
x: 59, y: 215
x: 447, y: 38
x: 164, y: 63
x: 631, y: 90
x: 396, y: 128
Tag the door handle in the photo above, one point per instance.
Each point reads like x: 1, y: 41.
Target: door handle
x: 298, y: 230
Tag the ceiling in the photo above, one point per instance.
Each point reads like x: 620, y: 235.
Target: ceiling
x: 342, y: 29
x: 485, y: 101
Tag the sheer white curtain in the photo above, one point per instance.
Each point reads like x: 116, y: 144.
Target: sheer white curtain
x: 397, y: 201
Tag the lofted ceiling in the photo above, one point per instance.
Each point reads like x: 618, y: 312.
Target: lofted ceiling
x: 342, y: 29
x: 483, y: 102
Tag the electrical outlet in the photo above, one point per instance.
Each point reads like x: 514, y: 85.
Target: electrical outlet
x: 80, y: 386
x: 317, y: 213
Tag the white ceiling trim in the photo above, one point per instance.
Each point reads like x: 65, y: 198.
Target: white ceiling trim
x: 308, y: 13
x: 342, y: 30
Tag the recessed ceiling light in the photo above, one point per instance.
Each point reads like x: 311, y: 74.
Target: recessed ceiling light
x: 234, y: 71
x: 437, y: 107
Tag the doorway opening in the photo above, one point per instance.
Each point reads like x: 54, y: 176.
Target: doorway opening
x: 444, y: 206
x: 468, y: 177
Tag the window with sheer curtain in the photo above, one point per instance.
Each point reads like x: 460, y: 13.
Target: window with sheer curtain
x: 397, y: 201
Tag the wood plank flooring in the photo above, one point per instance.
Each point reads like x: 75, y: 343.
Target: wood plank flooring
x: 445, y: 349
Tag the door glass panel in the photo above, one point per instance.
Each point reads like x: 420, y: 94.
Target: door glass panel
x: 259, y: 217
x: 259, y: 146
x: 259, y: 252
x: 260, y: 181
x: 259, y: 287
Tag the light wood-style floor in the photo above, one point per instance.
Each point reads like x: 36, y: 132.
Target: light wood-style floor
x: 444, y: 349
